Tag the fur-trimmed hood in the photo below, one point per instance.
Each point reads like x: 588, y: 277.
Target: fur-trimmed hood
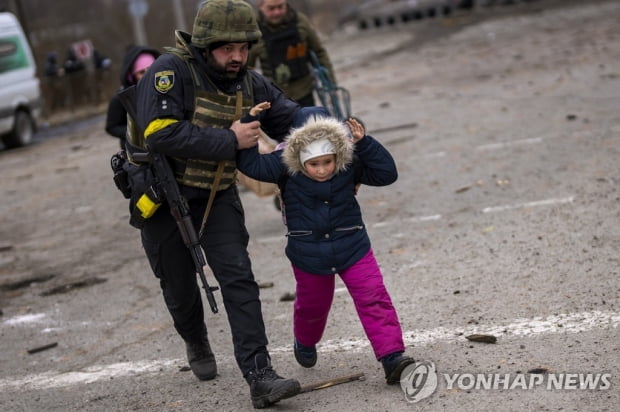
x: 314, y: 129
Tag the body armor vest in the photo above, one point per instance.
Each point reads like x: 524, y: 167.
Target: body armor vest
x: 133, y: 136
x: 287, y: 54
x: 212, y: 109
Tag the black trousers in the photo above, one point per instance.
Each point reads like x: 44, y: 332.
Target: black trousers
x: 225, y: 241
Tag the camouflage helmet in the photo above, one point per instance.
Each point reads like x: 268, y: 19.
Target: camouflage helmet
x: 225, y: 21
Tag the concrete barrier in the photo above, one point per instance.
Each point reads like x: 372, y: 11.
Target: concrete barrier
x: 376, y: 14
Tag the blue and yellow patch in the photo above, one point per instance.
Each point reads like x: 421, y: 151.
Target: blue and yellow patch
x: 164, y: 81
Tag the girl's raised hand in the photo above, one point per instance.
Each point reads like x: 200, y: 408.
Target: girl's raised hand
x: 357, y: 130
x: 254, y: 111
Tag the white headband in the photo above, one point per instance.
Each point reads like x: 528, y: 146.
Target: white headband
x: 317, y: 148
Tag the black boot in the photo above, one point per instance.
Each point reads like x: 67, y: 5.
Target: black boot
x: 266, y: 386
x: 306, y: 355
x: 201, y: 359
x: 393, y: 365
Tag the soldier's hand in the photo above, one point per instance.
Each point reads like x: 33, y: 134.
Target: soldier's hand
x: 246, y: 133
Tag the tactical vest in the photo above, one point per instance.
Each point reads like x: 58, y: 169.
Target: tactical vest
x: 133, y: 136
x: 212, y: 109
x: 287, y: 54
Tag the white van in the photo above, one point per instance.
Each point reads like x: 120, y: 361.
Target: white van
x: 21, y: 103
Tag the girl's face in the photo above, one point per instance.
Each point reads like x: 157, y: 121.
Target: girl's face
x: 321, y: 168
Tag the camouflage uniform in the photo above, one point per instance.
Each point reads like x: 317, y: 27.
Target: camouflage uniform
x: 283, y: 55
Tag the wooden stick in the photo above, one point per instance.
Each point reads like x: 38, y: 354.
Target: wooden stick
x: 42, y: 348
x: 331, y: 382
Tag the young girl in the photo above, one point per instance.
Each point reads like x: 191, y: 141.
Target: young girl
x: 318, y: 171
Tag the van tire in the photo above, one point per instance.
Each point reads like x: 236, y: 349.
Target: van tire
x: 23, y: 130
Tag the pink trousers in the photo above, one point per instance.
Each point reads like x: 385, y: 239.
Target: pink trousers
x: 364, y: 281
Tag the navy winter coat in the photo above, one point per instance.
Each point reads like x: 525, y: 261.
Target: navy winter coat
x: 326, y: 233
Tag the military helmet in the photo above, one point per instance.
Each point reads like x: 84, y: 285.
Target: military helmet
x: 225, y: 21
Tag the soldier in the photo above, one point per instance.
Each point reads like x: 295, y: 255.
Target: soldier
x: 283, y: 51
x: 189, y: 103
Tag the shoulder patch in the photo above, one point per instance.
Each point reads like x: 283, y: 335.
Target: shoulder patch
x: 164, y: 81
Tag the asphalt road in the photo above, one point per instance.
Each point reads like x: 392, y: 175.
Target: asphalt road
x: 504, y: 222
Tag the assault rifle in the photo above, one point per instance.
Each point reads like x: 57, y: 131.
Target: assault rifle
x: 168, y: 186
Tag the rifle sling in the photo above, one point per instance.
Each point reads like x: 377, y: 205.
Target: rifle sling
x: 220, y: 168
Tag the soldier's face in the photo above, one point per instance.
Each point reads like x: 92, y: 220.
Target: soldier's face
x: 274, y: 11
x: 230, y: 58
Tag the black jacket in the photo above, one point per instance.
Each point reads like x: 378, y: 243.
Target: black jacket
x: 116, y: 120
x: 185, y: 139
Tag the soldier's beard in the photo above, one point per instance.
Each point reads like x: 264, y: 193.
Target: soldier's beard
x: 223, y: 69
x: 232, y: 74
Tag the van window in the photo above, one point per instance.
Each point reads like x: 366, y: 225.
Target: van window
x: 13, y: 56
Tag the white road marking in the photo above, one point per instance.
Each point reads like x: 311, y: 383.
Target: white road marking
x: 562, y: 323
x: 420, y: 219
x: 36, y: 318
x: 270, y: 239
x: 535, y: 140
x: 528, y: 141
x: 423, y: 218
x: 91, y: 374
x: 547, y: 202
x: 415, y: 264
x: 382, y: 223
x: 434, y: 155
x: 503, y: 145
x: 491, y: 209
x: 23, y: 319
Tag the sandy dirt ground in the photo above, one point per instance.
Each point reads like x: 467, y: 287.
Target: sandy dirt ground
x: 506, y: 130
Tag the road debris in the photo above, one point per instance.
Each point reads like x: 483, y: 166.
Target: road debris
x: 538, y: 371
x: 287, y: 297
x: 20, y: 284
x: 42, y: 348
x: 74, y: 285
x: 481, y: 338
x: 331, y: 382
